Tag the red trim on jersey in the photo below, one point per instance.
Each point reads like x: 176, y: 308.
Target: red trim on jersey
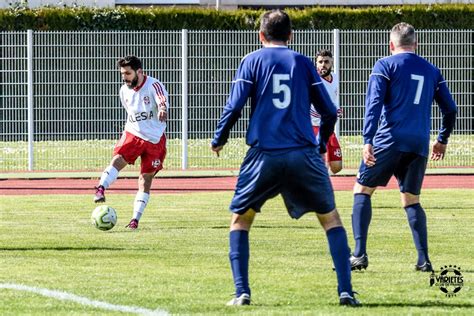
x: 140, y: 86
x: 314, y: 113
x: 159, y: 93
x: 330, y: 81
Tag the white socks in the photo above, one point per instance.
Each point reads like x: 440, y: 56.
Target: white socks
x: 108, y: 177
x: 141, y: 200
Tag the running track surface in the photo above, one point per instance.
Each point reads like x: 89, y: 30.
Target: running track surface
x: 186, y: 185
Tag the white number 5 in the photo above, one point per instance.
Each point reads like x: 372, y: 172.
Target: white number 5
x: 419, y: 87
x: 281, y: 87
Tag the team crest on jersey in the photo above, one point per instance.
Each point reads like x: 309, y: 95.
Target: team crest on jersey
x: 146, y: 100
x: 156, y: 163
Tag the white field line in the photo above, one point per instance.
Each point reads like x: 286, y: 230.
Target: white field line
x: 64, y: 296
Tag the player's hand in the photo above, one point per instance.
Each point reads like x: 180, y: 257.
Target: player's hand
x: 216, y: 149
x: 438, y: 151
x: 163, y: 113
x: 323, y: 157
x: 339, y: 113
x: 368, y: 155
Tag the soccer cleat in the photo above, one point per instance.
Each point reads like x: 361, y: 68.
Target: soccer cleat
x: 99, y: 194
x: 359, y: 263
x: 425, y: 267
x: 347, y: 300
x: 133, y: 224
x: 243, y: 299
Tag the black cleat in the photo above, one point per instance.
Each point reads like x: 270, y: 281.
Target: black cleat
x: 347, y: 300
x: 425, y: 267
x: 359, y: 263
x: 243, y: 299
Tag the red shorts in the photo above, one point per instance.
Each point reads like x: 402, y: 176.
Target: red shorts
x: 334, y: 152
x: 130, y: 147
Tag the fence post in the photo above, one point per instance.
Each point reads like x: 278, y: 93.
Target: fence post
x: 184, y: 98
x: 29, y: 51
x: 336, y: 55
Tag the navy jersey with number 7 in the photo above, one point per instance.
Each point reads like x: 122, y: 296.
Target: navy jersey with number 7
x: 282, y: 84
x: 400, y: 93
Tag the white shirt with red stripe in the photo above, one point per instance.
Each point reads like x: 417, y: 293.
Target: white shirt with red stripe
x: 142, y: 104
x: 331, y: 88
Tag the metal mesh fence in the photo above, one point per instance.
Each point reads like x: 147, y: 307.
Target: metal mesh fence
x: 13, y: 101
x: 68, y: 83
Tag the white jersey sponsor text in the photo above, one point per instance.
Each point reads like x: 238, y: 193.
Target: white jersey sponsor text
x: 142, y: 104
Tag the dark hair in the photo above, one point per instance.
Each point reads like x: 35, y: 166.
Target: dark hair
x: 324, y: 53
x: 134, y: 62
x: 275, y: 25
x: 403, y: 34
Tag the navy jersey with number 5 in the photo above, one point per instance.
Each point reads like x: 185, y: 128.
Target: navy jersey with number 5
x: 282, y: 84
x: 400, y: 93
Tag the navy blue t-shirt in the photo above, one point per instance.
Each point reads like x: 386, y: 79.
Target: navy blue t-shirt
x: 400, y: 94
x: 281, y: 84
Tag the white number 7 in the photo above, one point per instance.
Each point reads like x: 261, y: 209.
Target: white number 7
x: 419, y: 87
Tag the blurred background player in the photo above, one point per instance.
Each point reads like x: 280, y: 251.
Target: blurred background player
x: 324, y: 64
x: 400, y: 93
x: 283, y: 156
x: 146, y: 101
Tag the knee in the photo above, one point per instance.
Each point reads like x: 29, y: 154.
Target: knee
x: 409, y: 199
x: 330, y: 220
x: 361, y: 189
x: 335, y: 167
x: 145, y: 180
x: 242, y: 221
x: 118, y: 162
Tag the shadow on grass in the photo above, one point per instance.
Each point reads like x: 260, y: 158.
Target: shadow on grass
x: 271, y: 227
x: 62, y: 248
x: 429, y: 304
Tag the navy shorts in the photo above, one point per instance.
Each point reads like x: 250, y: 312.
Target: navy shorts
x: 300, y: 175
x: 408, y: 168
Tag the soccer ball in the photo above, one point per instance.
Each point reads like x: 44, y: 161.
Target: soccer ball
x: 104, y: 217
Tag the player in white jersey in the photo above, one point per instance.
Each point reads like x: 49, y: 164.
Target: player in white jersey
x: 324, y: 64
x: 146, y: 101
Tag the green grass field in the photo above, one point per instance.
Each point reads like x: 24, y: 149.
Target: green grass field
x: 178, y: 262
x: 94, y: 155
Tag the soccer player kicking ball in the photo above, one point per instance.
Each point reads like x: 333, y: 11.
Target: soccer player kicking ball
x: 283, y: 155
x: 402, y: 88
x: 146, y: 101
x: 324, y: 64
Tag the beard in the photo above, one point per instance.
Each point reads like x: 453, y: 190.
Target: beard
x: 325, y: 73
x: 132, y: 83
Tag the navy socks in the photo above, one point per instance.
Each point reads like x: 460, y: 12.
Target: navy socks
x: 339, y: 248
x: 239, y: 260
x: 417, y: 220
x: 361, y: 216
